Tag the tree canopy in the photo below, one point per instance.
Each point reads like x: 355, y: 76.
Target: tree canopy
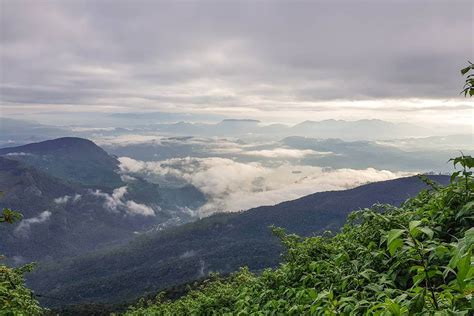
x: 415, y: 259
x: 15, y: 297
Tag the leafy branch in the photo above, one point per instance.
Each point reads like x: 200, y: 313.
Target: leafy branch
x: 468, y: 88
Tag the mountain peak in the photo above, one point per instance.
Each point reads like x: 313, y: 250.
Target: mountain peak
x: 70, y: 158
x: 51, y: 145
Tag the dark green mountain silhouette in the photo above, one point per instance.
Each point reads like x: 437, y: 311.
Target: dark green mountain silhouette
x: 72, y: 159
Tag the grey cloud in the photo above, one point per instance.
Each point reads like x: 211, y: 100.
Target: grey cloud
x: 237, y: 53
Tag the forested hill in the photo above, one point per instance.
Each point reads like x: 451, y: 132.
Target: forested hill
x: 66, y: 191
x: 73, y: 159
x: 220, y: 243
x: 412, y: 260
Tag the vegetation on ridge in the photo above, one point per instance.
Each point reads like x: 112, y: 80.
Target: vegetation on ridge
x: 415, y: 259
x: 15, y: 297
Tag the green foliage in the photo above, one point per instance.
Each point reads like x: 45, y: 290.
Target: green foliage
x: 468, y: 88
x: 9, y: 216
x: 412, y: 260
x: 15, y: 297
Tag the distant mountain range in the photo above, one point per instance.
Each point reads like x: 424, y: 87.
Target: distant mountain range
x: 348, y: 130
x: 19, y: 132
x: 220, y: 243
x: 73, y: 200
x: 369, y: 154
x: 15, y: 132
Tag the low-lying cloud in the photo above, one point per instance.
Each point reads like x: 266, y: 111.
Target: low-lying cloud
x: 19, y: 154
x: 116, y: 202
x: 67, y: 198
x: 23, y: 228
x: 140, y: 209
x: 234, y: 186
x: 126, y: 140
x: 208, y: 147
x: 284, y: 153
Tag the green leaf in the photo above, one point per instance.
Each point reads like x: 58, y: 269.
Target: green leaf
x: 312, y: 293
x: 454, y: 175
x: 394, y: 246
x: 10, y: 216
x: 417, y: 303
x: 464, y: 265
x: 412, y: 225
x: 366, y: 274
x: 394, y: 308
x: 394, y: 234
x: 468, y: 160
x: 427, y: 231
x: 469, y: 236
x: 419, y: 277
x: 465, y: 210
x: 465, y: 70
x: 393, y: 240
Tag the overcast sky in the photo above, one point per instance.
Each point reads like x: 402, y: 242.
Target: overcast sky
x: 271, y: 60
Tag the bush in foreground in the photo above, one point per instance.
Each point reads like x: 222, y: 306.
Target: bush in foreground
x: 15, y: 297
x: 416, y: 259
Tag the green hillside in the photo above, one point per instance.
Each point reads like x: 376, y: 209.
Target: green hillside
x: 221, y: 243
x: 415, y: 259
x: 72, y: 159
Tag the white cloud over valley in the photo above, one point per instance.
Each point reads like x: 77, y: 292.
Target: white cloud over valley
x: 116, y: 202
x: 284, y: 153
x: 234, y: 186
x: 67, y: 198
x: 24, y: 226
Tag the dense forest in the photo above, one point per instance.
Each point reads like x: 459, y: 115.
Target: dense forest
x: 15, y: 297
x: 415, y: 259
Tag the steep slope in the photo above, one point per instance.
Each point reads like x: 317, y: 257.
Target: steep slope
x: 219, y: 243
x: 65, y: 219
x: 412, y: 260
x: 73, y: 159
x: 28, y: 189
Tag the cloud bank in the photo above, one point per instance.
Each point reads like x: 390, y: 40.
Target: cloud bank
x: 116, y: 202
x: 24, y: 226
x: 234, y: 186
x: 284, y: 153
x: 66, y: 198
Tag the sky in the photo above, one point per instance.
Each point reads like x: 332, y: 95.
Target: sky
x: 279, y: 61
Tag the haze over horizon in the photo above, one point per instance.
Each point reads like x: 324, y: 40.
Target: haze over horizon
x: 270, y: 61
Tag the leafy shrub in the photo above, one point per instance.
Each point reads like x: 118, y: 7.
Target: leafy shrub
x: 412, y: 260
x: 468, y: 88
x: 15, y: 297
